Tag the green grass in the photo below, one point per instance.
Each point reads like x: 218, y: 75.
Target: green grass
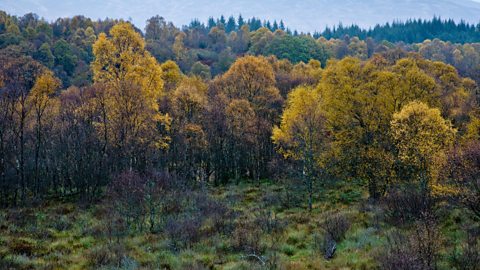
x: 63, y: 236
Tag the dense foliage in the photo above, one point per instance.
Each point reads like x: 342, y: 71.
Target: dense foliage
x: 411, y: 31
x: 154, y: 130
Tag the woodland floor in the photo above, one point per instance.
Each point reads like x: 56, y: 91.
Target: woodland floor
x: 66, y: 235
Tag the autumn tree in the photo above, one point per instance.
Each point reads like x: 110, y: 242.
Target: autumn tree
x: 183, y: 56
x: 302, y: 133
x: 218, y: 39
x: 188, y: 149
x: 422, y: 137
x: 462, y: 170
x: 134, y: 85
x: 201, y: 70
x: 171, y: 75
x: 81, y: 150
x: 360, y: 99
x: 252, y: 79
x: 259, y: 40
x: 19, y: 77
x: 241, y: 128
x: 40, y: 99
x: 240, y: 40
x: 160, y: 37
x: 472, y: 132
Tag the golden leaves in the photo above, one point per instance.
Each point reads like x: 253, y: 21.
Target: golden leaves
x: 133, y: 87
x: 422, y: 136
x: 45, y: 86
x: 302, y: 127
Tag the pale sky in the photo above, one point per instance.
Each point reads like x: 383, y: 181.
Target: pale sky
x: 305, y: 15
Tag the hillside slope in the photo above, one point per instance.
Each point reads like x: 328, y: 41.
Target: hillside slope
x: 307, y: 15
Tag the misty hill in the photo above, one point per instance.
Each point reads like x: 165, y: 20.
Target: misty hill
x: 307, y: 15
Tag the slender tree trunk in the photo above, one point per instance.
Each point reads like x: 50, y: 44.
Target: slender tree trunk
x: 22, y: 156
x: 37, y: 154
x: 310, y: 194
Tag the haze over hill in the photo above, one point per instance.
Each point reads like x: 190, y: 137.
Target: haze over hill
x: 306, y: 15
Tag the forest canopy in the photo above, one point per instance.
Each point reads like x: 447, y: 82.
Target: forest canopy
x: 241, y: 136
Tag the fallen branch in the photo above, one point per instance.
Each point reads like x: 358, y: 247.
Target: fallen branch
x: 259, y: 258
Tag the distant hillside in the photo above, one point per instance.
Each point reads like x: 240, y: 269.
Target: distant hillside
x: 306, y: 15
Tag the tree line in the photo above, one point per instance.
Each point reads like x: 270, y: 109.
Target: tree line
x: 207, y: 50
x: 410, y: 31
x: 390, y: 119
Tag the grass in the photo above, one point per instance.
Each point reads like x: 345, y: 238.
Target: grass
x: 64, y: 236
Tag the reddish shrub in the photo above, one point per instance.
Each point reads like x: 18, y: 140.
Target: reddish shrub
x: 463, y: 170
x: 246, y: 236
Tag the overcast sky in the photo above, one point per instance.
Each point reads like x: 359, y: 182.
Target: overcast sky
x: 305, y: 15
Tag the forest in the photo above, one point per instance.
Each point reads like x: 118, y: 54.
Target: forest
x: 238, y: 144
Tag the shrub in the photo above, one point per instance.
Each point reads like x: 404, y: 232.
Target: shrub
x: 271, y: 199
x: 217, y: 211
x: 183, y: 230
x: 404, y: 205
x: 463, y: 170
x: 127, y: 193
x: 22, y: 246
x: 426, y: 241
x: 399, y: 254
x: 22, y: 218
x: 61, y: 223
x: 288, y: 250
x: 418, y: 250
x: 468, y: 257
x: 336, y: 226
x: 111, y: 255
x: 246, y: 236
x: 268, y: 222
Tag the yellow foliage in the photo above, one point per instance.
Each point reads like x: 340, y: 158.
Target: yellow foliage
x: 248, y: 77
x: 239, y: 116
x: 190, y: 99
x: 252, y: 78
x: 422, y: 137
x: 133, y: 86
x: 302, y: 126
x: 473, y: 130
x: 171, y: 75
x: 360, y: 98
x: 45, y: 86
